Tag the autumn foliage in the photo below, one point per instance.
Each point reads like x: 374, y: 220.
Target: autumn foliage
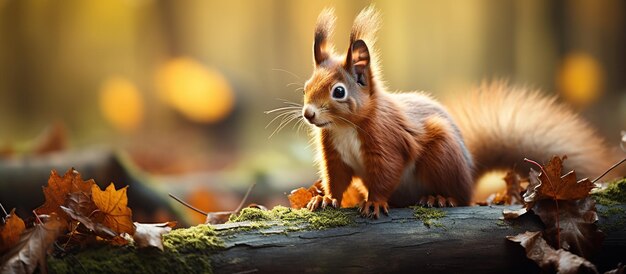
x: 75, y: 213
x: 569, y: 214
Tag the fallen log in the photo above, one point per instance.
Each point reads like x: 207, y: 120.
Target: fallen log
x: 21, y: 179
x: 466, y: 240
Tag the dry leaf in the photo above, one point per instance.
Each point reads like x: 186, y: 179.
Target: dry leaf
x: 299, y: 198
x: 549, y: 259
x: 98, y: 228
x: 578, y: 233
x: 513, y: 188
x: 10, y: 232
x: 621, y: 269
x: 81, y: 208
x: 216, y: 218
x: 81, y: 202
x: 121, y: 240
x: 32, y: 249
x: 513, y: 214
x: 152, y: 234
x: 52, y: 139
x: 257, y: 206
x: 554, y: 186
x: 564, y: 206
x: 113, y: 210
x: 59, y: 187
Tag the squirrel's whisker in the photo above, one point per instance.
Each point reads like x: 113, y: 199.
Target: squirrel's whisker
x: 294, y: 83
x: 278, y: 116
x: 288, y: 72
x: 281, y: 108
x: 285, y: 101
x: 283, y: 123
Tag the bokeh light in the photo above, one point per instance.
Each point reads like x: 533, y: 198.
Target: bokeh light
x: 490, y: 183
x: 121, y: 104
x: 199, y: 93
x: 580, y: 79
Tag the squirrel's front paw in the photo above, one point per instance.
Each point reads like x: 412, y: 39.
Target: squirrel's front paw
x: 322, y: 201
x: 366, y: 206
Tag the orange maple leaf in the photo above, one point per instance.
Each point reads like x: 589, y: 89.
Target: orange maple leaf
x: 113, y: 210
x: 550, y: 184
x: 10, y: 232
x: 59, y: 187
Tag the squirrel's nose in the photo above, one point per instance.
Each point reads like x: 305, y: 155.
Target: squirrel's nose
x: 308, y: 113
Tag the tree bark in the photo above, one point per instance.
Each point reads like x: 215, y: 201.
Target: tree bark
x: 469, y: 240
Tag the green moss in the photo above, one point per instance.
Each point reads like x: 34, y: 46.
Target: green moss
x: 428, y: 215
x: 614, y: 193
x: 187, y: 250
x: 112, y: 259
x: 298, y: 218
x: 193, y: 239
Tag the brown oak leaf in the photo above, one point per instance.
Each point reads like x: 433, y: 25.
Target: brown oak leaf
x: 538, y: 250
x: 113, y: 211
x: 576, y: 219
x: 59, y: 187
x: 152, y: 234
x: 33, y: 246
x: 98, y: 228
x: 11, y: 230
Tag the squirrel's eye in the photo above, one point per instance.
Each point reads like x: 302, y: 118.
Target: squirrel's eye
x: 339, y: 91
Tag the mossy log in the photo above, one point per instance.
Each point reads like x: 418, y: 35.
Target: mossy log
x: 465, y: 240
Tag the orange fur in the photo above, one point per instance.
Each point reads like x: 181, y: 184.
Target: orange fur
x: 403, y: 146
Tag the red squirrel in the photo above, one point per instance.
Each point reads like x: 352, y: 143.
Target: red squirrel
x: 406, y: 148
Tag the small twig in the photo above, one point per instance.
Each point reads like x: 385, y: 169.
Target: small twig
x: 70, y: 237
x: 608, y: 170
x: 37, y: 217
x: 6, y: 215
x: 3, y: 210
x: 187, y: 205
x: 245, y: 197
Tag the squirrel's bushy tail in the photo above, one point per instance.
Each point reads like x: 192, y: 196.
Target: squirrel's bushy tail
x: 502, y: 125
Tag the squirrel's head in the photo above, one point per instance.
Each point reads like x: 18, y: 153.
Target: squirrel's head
x: 341, y: 85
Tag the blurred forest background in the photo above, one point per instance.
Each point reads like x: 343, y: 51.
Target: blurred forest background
x: 181, y: 86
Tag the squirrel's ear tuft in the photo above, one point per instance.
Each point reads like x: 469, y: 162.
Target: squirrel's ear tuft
x: 358, y: 62
x: 323, y: 30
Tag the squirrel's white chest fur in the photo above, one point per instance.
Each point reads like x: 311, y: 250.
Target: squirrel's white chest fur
x: 346, y: 141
